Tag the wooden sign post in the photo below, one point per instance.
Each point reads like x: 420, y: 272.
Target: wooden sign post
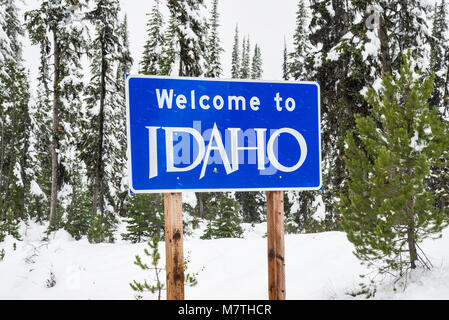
x: 276, y: 255
x: 174, y: 253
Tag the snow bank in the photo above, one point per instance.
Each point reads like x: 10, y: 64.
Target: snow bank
x: 318, y: 266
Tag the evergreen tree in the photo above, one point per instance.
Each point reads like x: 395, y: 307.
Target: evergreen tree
x: 120, y: 164
x: 145, y: 218
x: 227, y: 222
x: 169, y: 53
x: 439, y: 57
x: 101, y: 145
x: 256, y: 65
x: 285, y: 69
x: 301, y: 45
x: 245, y: 72
x: 213, y: 64
x: 40, y: 143
x: 295, y: 65
x: 389, y: 210
x: 189, y: 31
x: 251, y: 205
x: 235, y: 67
x: 439, y: 65
x: 79, y: 212
x: 151, y: 61
x: 56, y: 26
x: 14, y: 122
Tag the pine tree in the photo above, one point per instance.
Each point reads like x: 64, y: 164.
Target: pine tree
x: 389, y: 210
x: 245, y: 72
x: 235, y: 66
x: 169, y: 53
x: 56, y: 26
x: 151, y: 61
x: 439, y: 58
x: 227, y: 222
x: 145, y: 218
x: 101, y: 144
x: 213, y: 64
x: 285, y: 68
x: 251, y: 206
x: 296, y: 67
x: 79, y: 213
x: 439, y: 65
x: 189, y: 31
x: 330, y: 21
x: 14, y: 122
x: 40, y: 143
x: 256, y: 65
x: 119, y: 162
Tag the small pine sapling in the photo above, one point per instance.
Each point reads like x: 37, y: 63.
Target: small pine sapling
x: 190, y: 280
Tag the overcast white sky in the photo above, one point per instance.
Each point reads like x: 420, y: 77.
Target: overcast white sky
x: 265, y: 21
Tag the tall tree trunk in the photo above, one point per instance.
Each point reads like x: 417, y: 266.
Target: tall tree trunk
x: 411, y: 235
x: 412, y: 247
x: 55, y: 126
x: 384, y: 48
x: 98, y: 199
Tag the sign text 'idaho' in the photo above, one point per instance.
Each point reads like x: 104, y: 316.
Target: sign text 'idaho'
x: 202, y: 134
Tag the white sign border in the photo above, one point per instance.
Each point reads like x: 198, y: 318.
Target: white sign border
x: 128, y: 125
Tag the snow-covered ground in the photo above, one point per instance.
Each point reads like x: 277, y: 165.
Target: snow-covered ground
x: 318, y: 266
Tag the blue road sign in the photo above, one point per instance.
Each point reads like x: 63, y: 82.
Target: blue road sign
x: 193, y: 134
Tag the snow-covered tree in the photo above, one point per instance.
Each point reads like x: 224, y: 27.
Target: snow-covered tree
x: 189, y: 33
x: 235, y: 64
x: 285, y: 68
x: 151, y: 60
x: 214, y: 49
x: 296, y: 65
x: 104, y: 115
x: 57, y: 27
x: 388, y: 209
x: 245, y: 68
x: 256, y: 64
x: 14, y: 121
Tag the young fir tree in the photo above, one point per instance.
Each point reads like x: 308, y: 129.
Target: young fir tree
x: 235, y: 63
x: 79, y: 212
x: 214, y: 49
x: 103, y: 116
x: 389, y: 210
x: 14, y: 122
x: 226, y: 224
x: 151, y: 61
x: 56, y: 26
x: 145, y: 218
x: 251, y: 205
